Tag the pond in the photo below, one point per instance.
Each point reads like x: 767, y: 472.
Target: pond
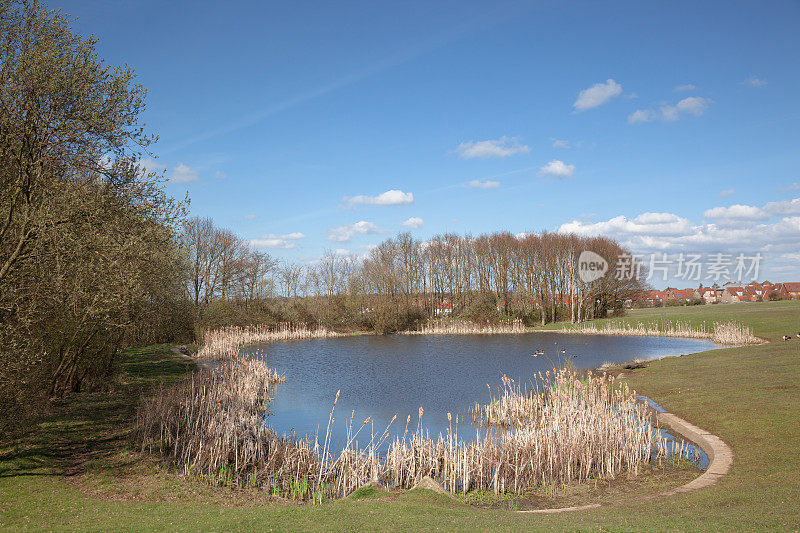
x: 383, y: 376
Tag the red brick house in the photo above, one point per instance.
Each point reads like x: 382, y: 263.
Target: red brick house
x: 733, y: 294
x: 711, y: 295
x: 790, y: 290
x: 680, y: 295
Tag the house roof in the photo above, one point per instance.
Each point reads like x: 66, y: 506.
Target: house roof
x: 683, y: 293
x: 734, y: 290
x: 706, y: 290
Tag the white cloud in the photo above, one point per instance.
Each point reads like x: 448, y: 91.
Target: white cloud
x: 783, y: 207
x: 670, y: 232
x: 687, y: 87
x: 663, y: 224
x: 557, y: 169
x: 669, y: 113
x: 277, y: 241
x: 596, y: 95
x: 754, y: 81
x: 747, y: 213
x: 641, y: 115
x: 250, y: 217
x: 560, y: 143
x: 692, y: 105
x: 150, y: 165
x: 793, y: 187
x: 272, y: 243
x: 183, y: 174
x: 736, y: 212
x: 502, y: 147
x: 776, y: 238
x: 220, y: 175
x: 727, y: 192
x: 348, y: 231
x: 413, y: 222
x: 485, y: 184
x: 391, y: 197
x: 105, y: 162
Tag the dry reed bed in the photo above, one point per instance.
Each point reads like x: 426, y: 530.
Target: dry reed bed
x: 730, y: 333
x: 461, y: 327
x: 213, y: 419
x: 227, y: 342
x: 569, y: 429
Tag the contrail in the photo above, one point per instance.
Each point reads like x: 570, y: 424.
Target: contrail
x: 385, y: 64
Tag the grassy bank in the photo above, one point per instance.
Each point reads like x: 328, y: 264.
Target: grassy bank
x: 79, y: 472
x: 769, y: 320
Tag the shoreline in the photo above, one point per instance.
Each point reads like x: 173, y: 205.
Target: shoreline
x: 245, y: 337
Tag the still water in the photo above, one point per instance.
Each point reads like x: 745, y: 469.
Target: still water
x: 380, y: 376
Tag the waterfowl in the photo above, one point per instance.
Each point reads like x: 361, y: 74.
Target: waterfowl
x: 786, y: 337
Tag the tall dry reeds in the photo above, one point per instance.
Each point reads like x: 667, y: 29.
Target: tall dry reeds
x: 462, y: 327
x: 567, y: 429
x: 213, y: 419
x: 729, y: 333
x: 226, y: 343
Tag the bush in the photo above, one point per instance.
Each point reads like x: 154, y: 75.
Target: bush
x: 482, y: 310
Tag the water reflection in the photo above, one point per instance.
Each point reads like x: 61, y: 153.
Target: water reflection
x: 383, y: 376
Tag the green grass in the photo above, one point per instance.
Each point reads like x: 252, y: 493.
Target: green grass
x: 748, y: 396
x: 369, y: 492
x: 768, y: 319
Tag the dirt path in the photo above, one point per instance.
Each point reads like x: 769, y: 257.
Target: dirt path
x: 200, y: 363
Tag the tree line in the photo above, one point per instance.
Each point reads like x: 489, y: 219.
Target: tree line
x: 402, y: 281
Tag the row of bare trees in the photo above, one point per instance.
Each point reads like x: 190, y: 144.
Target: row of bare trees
x: 221, y: 265
x: 531, y: 276
x: 404, y: 280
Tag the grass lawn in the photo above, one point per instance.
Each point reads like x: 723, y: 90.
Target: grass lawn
x: 78, y: 472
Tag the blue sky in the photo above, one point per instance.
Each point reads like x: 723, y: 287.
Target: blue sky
x: 644, y: 121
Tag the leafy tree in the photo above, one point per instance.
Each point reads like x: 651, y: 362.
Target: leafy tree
x: 87, y: 251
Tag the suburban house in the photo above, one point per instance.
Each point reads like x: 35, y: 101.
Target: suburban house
x: 790, y: 290
x: 681, y: 295
x: 653, y: 299
x: 733, y: 294
x: 443, y: 309
x: 711, y: 295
